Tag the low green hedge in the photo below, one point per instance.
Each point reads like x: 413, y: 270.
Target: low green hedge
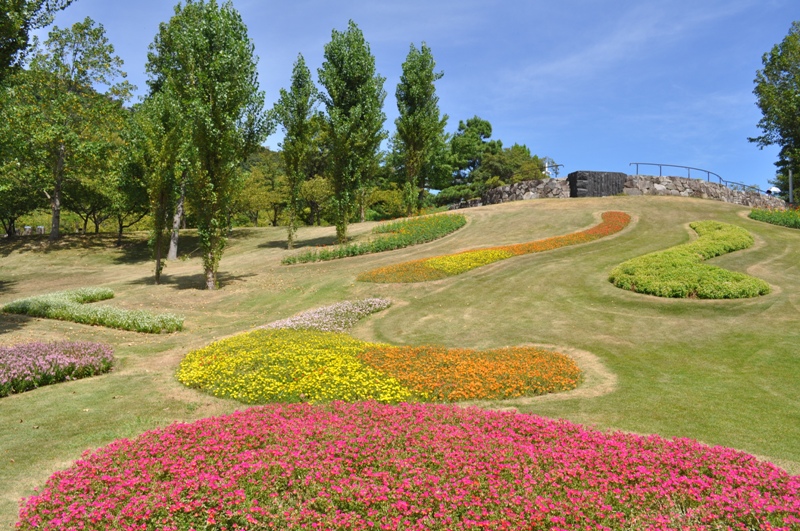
x: 786, y: 218
x: 680, y: 272
x: 72, y: 306
x: 396, y: 235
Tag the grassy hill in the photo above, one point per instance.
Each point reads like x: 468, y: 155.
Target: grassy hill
x: 723, y: 372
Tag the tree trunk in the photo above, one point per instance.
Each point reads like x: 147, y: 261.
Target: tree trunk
x: 119, y: 232
x: 211, y: 279
x: 158, y: 258
x: 55, y: 199
x: 11, y: 229
x: 85, y: 225
x: 176, y: 221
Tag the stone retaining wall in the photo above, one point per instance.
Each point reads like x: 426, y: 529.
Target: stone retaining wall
x: 543, y: 188
x: 685, y: 187
x: 635, y: 185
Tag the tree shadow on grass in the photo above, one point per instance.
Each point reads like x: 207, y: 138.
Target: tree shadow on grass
x: 6, y: 287
x: 133, y: 249
x: 197, y: 281
x: 10, y: 322
x: 313, y: 242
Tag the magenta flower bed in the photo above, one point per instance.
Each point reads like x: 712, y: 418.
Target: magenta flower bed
x: 31, y: 365
x: 371, y: 466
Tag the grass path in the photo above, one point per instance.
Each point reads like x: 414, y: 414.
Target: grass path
x: 723, y: 372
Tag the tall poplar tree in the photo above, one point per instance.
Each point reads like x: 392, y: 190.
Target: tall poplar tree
x: 354, y: 104
x: 420, y: 138
x: 203, y: 58
x: 295, y: 111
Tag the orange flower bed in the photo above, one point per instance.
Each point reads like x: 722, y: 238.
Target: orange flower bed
x: 439, y: 267
x: 451, y: 374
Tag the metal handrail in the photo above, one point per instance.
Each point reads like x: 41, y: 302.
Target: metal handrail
x: 707, y: 172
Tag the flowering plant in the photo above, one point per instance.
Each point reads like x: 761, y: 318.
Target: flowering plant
x: 420, y: 467
x: 31, y: 365
x: 439, y: 267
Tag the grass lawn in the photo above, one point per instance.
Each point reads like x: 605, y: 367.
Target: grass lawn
x: 723, y: 372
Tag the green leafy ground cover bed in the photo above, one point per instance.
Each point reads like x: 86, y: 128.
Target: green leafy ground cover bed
x: 679, y: 272
x: 785, y: 218
x: 73, y: 306
x: 395, y: 235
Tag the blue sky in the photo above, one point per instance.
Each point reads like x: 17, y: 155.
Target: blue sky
x: 593, y: 84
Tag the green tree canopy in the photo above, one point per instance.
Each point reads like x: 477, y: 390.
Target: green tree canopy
x: 18, y: 18
x: 295, y: 111
x: 420, y: 138
x: 468, y: 146
x: 203, y: 59
x: 778, y: 96
x: 354, y: 130
x: 70, y: 128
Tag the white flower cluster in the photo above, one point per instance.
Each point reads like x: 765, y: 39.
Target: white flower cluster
x: 333, y: 318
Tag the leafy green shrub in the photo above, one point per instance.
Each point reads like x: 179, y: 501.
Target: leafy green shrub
x: 679, y: 272
x: 72, y: 306
x: 786, y: 218
x: 398, y: 234
x: 454, y: 194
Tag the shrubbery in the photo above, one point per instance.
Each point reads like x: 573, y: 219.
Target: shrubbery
x: 398, y: 234
x: 31, y: 365
x: 786, y: 218
x: 679, y: 271
x: 73, y: 306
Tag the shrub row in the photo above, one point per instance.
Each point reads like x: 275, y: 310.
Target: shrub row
x: 72, y: 306
x: 31, y: 365
x: 286, y: 365
x: 679, y: 271
x: 368, y: 466
x: 396, y: 235
x: 786, y: 218
x: 444, y: 266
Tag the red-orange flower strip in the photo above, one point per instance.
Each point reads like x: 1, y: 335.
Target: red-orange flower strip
x: 438, y: 267
x: 454, y: 374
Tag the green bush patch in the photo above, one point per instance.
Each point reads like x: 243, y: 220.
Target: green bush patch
x: 72, y: 306
x: 784, y: 218
x: 397, y: 234
x: 679, y: 272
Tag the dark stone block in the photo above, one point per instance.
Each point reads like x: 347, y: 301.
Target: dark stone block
x: 596, y: 183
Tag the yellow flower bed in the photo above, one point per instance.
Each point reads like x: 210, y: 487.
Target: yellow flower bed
x: 288, y: 366
x: 455, y: 264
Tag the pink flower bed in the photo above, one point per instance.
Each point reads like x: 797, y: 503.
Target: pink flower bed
x: 370, y: 466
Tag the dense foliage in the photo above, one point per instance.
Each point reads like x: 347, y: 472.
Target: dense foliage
x: 415, y: 467
x: 786, y: 218
x: 73, y: 306
x: 397, y: 234
x: 777, y: 89
x: 353, y: 99
x: 420, y: 142
x: 203, y: 64
x: 31, y: 365
x: 439, y: 267
x: 680, y: 271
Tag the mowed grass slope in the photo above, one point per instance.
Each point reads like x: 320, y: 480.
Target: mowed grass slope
x: 723, y: 372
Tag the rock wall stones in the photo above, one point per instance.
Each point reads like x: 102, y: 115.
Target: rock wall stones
x: 685, y: 187
x: 631, y: 185
x: 543, y: 188
x: 595, y: 183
